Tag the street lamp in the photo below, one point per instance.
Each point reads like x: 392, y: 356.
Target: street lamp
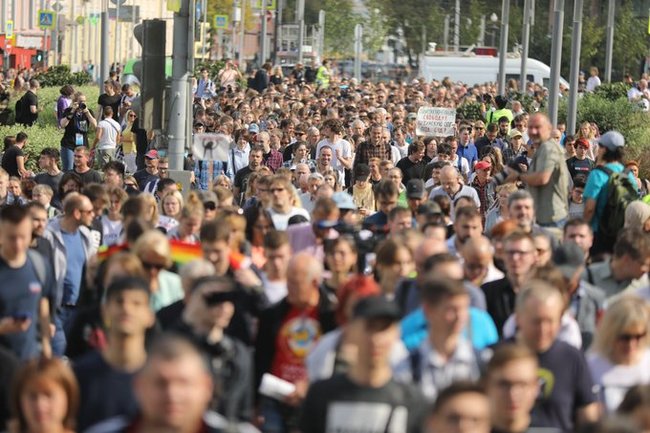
x: 494, y: 18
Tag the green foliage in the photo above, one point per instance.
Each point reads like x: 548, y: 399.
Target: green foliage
x: 620, y: 115
x: 612, y: 92
x: 60, y: 75
x: 45, y: 133
x: 374, y: 29
x: 470, y: 111
x: 340, y: 20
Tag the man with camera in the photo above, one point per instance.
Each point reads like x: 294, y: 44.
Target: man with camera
x: 77, y: 120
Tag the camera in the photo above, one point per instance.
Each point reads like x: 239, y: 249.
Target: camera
x: 82, y: 106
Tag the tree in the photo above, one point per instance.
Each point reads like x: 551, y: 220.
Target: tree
x: 374, y: 29
x: 340, y: 20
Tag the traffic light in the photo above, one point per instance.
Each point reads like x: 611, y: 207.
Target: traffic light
x: 150, y: 71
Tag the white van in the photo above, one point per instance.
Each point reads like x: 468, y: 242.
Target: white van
x: 474, y: 69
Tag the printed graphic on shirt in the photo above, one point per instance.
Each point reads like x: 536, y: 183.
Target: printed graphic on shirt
x: 361, y: 417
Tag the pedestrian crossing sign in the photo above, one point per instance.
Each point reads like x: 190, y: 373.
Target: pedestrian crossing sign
x: 221, y: 21
x: 46, y: 19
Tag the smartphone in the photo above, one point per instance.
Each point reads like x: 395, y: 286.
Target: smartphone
x: 21, y: 317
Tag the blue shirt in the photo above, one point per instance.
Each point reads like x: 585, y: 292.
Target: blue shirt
x: 22, y: 297
x: 76, y: 259
x: 207, y: 171
x: 470, y: 153
x: 482, y: 331
x: 596, y: 189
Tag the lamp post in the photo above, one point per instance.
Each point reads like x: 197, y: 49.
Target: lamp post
x: 494, y: 19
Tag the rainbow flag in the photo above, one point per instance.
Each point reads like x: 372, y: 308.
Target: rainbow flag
x: 181, y: 252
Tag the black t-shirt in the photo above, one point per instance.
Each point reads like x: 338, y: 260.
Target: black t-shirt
x: 111, y: 101
x: 143, y: 177
x: 9, y: 162
x: 566, y: 385
x: 577, y: 166
x: 28, y: 100
x: 90, y: 176
x: 79, y: 124
x: 340, y: 405
x: 241, y: 178
x: 500, y: 301
x: 411, y: 170
x: 104, y: 391
x: 170, y: 315
x: 53, y: 182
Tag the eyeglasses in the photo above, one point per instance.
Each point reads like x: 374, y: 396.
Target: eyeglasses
x: 630, y: 337
x: 149, y: 266
x: 86, y: 210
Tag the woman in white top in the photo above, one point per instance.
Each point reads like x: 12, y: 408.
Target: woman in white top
x: 112, y: 224
x: 620, y: 355
x: 170, y: 210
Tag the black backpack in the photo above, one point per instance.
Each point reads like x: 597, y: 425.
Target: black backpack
x: 620, y: 193
x: 19, y: 112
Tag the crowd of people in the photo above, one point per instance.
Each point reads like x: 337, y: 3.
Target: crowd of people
x: 337, y: 272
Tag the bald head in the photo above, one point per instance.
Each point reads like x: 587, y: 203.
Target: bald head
x: 427, y: 248
x: 539, y: 128
x: 478, y: 256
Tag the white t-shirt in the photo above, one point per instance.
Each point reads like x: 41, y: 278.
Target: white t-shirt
x: 592, y: 83
x: 343, y: 146
x: 615, y: 380
x: 281, y: 221
x: 110, y: 128
x: 112, y: 231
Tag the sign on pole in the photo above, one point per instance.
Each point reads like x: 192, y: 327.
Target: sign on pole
x: 46, y: 19
x: 9, y: 29
x: 435, y: 121
x: 221, y: 21
x: 210, y: 147
x: 270, y: 5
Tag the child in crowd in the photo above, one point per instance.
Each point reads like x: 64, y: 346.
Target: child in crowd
x: 576, y: 202
x: 43, y: 194
x: 362, y: 193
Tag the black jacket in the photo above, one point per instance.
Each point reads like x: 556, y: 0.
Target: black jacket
x: 270, y: 322
x: 500, y: 300
x: 231, y: 364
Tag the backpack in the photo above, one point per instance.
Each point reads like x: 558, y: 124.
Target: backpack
x: 620, y: 192
x: 19, y: 113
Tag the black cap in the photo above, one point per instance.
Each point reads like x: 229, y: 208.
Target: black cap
x: 568, y: 258
x: 415, y: 188
x: 376, y: 307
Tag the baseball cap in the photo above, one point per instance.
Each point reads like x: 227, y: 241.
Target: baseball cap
x: 568, y: 257
x: 514, y: 132
x: 344, y: 200
x: 412, y: 116
x: 482, y: 165
x: 611, y: 140
x: 208, y: 196
x: 415, y: 188
x: 254, y: 128
x: 152, y: 154
x: 376, y: 307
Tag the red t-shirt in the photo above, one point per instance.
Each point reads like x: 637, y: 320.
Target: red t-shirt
x: 298, y: 334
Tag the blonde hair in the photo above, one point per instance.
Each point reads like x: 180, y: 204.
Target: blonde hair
x: 43, y: 189
x: 177, y: 195
x: 220, y: 178
x: 623, y: 313
x: 155, y: 242
x: 193, y: 207
x: 150, y: 200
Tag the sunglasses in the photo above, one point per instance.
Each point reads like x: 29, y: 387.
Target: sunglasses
x: 210, y: 205
x: 216, y: 298
x: 629, y: 337
x: 132, y: 185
